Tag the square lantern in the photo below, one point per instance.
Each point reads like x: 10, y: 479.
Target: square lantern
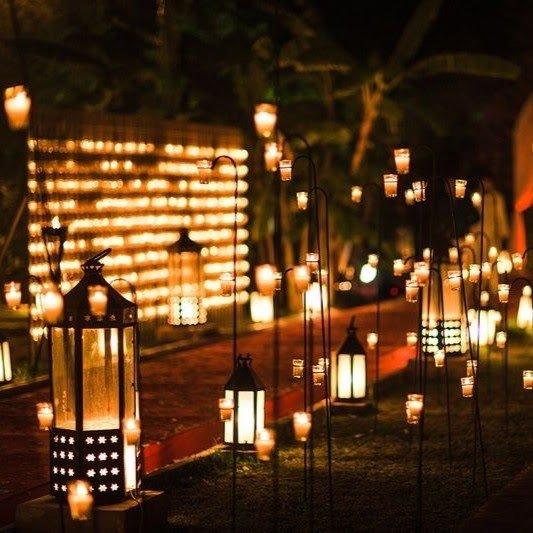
x: 349, y: 372
x: 5, y: 360
x: 186, y: 282
x: 94, y: 364
x: 248, y: 394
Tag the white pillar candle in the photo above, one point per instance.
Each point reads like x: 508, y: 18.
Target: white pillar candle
x: 460, y: 188
x: 80, y: 500
x: 301, y: 422
x: 265, y: 118
x: 302, y: 277
x: 264, y: 444
x: 12, y: 294
x: 372, y: 339
x: 285, y: 169
x: 503, y: 292
x: 413, y: 408
x: 301, y: 200
x: 357, y: 193
x: 390, y: 185
x: 225, y: 407
x: 45, y: 415
x: 402, y: 158
x: 131, y: 427
x: 97, y: 296
x: 528, y: 379
x: 467, y: 385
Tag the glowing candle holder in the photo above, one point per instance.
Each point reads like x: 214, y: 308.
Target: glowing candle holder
x: 467, y: 386
x: 97, y: 296
x: 486, y: 270
x: 302, y: 277
x: 411, y: 291
x: 17, y: 105
x: 390, y: 185
x: 421, y: 269
x: 45, y: 415
x: 318, y: 375
x: 414, y: 407
x: 474, y: 272
x: 501, y: 339
x: 373, y: 260
x: 409, y: 196
x: 272, y: 156
x: 427, y: 255
x: 484, y: 297
x: 453, y: 254
x: 297, y: 368
x: 372, y: 339
x: 265, y: 118
x: 402, y: 157
x: 357, y: 194
x: 454, y: 278
x: 504, y: 264
x: 398, y: 266
x: 470, y: 238
x: 518, y: 261
x: 265, y: 279
x: 411, y: 338
x: 285, y: 169
x: 80, y: 500
x: 492, y: 254
x: 476, y: 199
x: 503, y: 293
x: 302, y: 199
x: 419, y: 190
x: 12, y: 294
x: 301, y: 423
x: 205, y: 171
x: 527, y: 376
x: 460, y: 187
x: 465, y: 272
x: 227, y: 282
x: 471, y: 368
x: 225, y: 408
x: 311, y: 259
x: 439, y: 357
x: 52, y: 301
x: 131, y: 428
x: 264, y: 443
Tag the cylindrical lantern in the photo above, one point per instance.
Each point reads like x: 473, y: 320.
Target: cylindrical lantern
x: 454, y: 279
x: 453, y: 254
x: 45, y: 415
x: 93, y: 385
x: 227, y: 282
x: 301, y: 423
x: 186, y: 282
x: 467, y: 386
x: 272, y: 156
x: 503, y: 292
x: 265, y: 441
x: 6, y: 373
x: 411, y: 291
x: 265, y: 118
x: 398, y: 267
x: 419, y: 190
x: 390, y: 185
x: 402, y: 158
x: 357, y: 193
x: 12, y: 294
x: 518, y: 261
x: 17, y: 105
x: 297, y: 368
x: 285, y: 169
x: 301, y: 200
x: 414, y: 407
x: 204, y: 168
x: 350, y: 369
x: 248, y: 394
x: 372, y: 339
x: 265, y: 279
x: 528, y: 379
x: 474, y: 272
x: 80, y: 500
x: 411, y: 338
x: 460, y: 187
x: 439, y: 357
x: 225, y: 408
x: 302, y: 277
x: 54, y: 237
x: 261, y: 308
x: 131, y: 427
x: 409, y: 196
x: 476, y: 199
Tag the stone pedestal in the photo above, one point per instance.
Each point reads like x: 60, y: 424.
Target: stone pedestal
x: 46, y: 515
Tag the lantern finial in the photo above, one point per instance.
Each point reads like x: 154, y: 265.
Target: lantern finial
x: 94, y: 262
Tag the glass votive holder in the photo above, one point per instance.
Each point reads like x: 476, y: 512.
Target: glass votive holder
x: 503, y: 292
x: 453, y: 254
x: 45, y: 415
x: 398, y: 266
x: 419, y: 189
x: 373, y: 260
x: 518, y: 261
x: 486, y: 270
x: 297, y: 368
x: 372, y: 339
x: 527, y: 376
x: 439, y: 357
x: 13, y: 294
x: 476, y: 199
x: 227, y: 283
x: 501, y: 339
x: 454, y: 279
x: 467, y: 385
x: 302, y: 277
x: 402, y: 158
x: 285, y: 169
x: 318, y: 375
x: 460, y: 187
x: 474, y: 272
x: 311, y: 260
x: 97, y: 296
x: 411, y: 338
x: 301, y: 422
x: 225, y: 408
x: 409, y: 196
x: 264, y: 443
x: 131, y: 428
x: 414, y: 407
x: 411, y: 291
x: 204, y: 171
x: 390, y: 185
x: 302, y: 199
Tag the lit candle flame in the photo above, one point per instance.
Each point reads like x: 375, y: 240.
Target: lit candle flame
x: 55, y: 222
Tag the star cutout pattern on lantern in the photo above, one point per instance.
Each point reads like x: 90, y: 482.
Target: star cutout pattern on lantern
x: 89, y: 440
x: 114, y: 455
x: 101, y: 440
x: 91, y: 457
x: 114, y: 486
x: 103, y: 471
x: 102, y: 456
x: 114, y: 439
x: 91, y: 473
x: 102, y: 488
x: 114, y: 471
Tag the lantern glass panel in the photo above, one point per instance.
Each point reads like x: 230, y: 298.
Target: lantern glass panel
x: 64, y: 377
x: 245, y: 416
x: 129, y: 373
x: 100, y: 379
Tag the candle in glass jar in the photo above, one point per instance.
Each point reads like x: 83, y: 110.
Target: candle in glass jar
x: 501, y: 339
x: 97, y: 296
x: 398, y: 267
x: 486, y: 270
x: 454, y: 278
x: 45, y: 415
x: 409, y: 196
x: 518, y: 261
x: 265, y: 118
x: 12, y: 294
x: 474, y: 273
x: 439, y: 357
x: 225, y: 408
x: 411, y: 291
x: 476, y: 199
x: 413, y: 408
x: 52, y: 302
x: 528, y: 379
x: 302, y: 277
x: 227, y: 282
x: 419, y: 189
x: 470, y: 238
x: 467, y: 385
x: 372, y: 339
x: 285, y: 169
x: 402, y: 157
x: 411, y: 338
x: 80, y: 500
x: 484, y: 297
x: 131, y: 427
x: 265, y: 279
x: 492, y: 254
x: 390, y: 185
x: 301, y: 422
x: 453, y: 254
x: 17, y: 105
x: 272, y: 156
x: 318, y: 375
x: 357, y: 193
x: 264, y: 444
x: 460, y: 188
x: 503, y: 292
x: 297, y: 368
x: 422, y: 272
x: 204, y: 171
x: 301, y: 200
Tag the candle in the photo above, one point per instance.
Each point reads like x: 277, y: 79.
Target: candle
x: 80, y: 500
x: 409, y: 196
x: 390, y: 185
x: 528, y: 379
x: 401, y: 160
x: 518, y: 261
x: 265, y: 279
x: 272, y: 156
x: 486, y: 270
x: 454, y: 278
x: 501, y: 339
x: 493, y: 254
x: 411, y: 291
x: 227, y: 282
x: 318, y: 375
x: 131, y: 427
x: 204, y: 171
x: 373, y: 260
x: 471, y: 368
x: 411, y: 338
x: 503, y: 292
x: 311, y: 259
x: 427, y: 254
x: 419, y: 189
x: 265, y: 118
x: 467, y: 385
x: 476, y: 199
x: 465, y: 272
x: 474, y: 272
x: 301, y: 200
x: 357, y: 193
x: 52, y: 301
x: 285, y: 169
x: 264, y: 444
x: 372, y: 339
x: 297, y: 368
x: 460, y: 188
x: 45, y: 415
x: 438, y: 357
x: 12, y: 294
x: 302, y: 277
x: 17, y: 105
x: 484, y: 297
x: 301, y: 422
x: 413, y: 408
x: 398, y: 266
x: 469, y: 238
x: 453, y: 254
x: 422, y: 272
x: 97, y: 296
x: 225, y: 407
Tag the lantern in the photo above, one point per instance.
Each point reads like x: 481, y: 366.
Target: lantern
x: 301, y: 423
x: 297, y: 368
x: 414, y: 407
x: 12, y: 294
x: 54, y: 238
x: 227, y: 283
x: 6, y: 373
x: 186, y: 282
x: 285, y: 169
x: 45, y: 415
x: 52, y: 303
x: 501, y: 339
x: 261, y: 308
x: 17, y: 105
x: 402, y: 158
x: 272, y: 156
x: 264, y: 443
x: 467, y: 386
x: 411, y: 290
x: 225, y: 408
x: 518, y: 261
x: 503, y: 292
x: 470, y: 238
x: 349, y: 373
x: 409, y: 196
x: 411, y: 338
x: 453, y: 254
x: 504, y: 264
x: 493, y: 254
x: 460, y: 188
x: 248, y: 395
x: 372, y: 339
x: 471, y: 368
x: 93, y: 384
x: 265, y: 118
x: 474, y: 272
x: 311, y: 259
x: 421, y: 269
x: 439, y: 357
x: 419, y: 190
x: 80, y: 500
x: 398, y: 267
x: 265, y: 279
x: 390, y: 185
x: 301, y: 200
x: 524, y: 317
x: 454, y: 279
x: 476, y: 199
x: 302, y: 277
x: 528, y: 379
x: 357, y: 193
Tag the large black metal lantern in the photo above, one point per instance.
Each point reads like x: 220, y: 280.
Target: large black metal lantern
x: 248, y: 394
x: 349, y: 374
x: 54, y: 238
x: 186, y: 282
x: 94, y: 364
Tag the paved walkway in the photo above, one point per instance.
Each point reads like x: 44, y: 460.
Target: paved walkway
x: 179, y: 396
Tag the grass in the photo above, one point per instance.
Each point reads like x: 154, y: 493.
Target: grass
x: 374, y: 475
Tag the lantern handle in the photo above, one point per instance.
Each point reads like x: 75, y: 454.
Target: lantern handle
x: 95, y: 260
x: 352, y: 323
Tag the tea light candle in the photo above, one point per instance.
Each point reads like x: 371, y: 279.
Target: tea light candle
x: 227, y: 282
x: 476, y: 199
x: 265, y: 118
x: 131, y: 427
x: 285, y: 169
x: 373, y: 260
x: 474, y: 272
x: 528, y: 379
x: 318, y: 375
x: 402, y: 158
x: 409, y: 196
x: 301, y: 422
x: 302, y: 277
x: 438, y: 357
x: 357, y: 194
x: 225, y: 408
x: 297, y: 368
x: 411, y: 338
x: 471, y: 368
x: 467, y: 385
x: 422, y: 272
x: 272, y: 156
x: 390, y: 185
x: 493, y: 254
x: 17, y: 105
x: 12, y: 294
x: 372, y: 339
x: 204, y: 171
x: 454, y: 278
x: 311, y: 259
x: 411, y: 291
x: 460, y: 188
x: 501, y: 339
x: 265, y: 279
x: 45, y: 415
x: 80, y: 500
x: 419, y: 189
x: 503, y: 292
x: 453, y: 254
x: 264, y: 444
x: 398, y: 266
x: 52, y: 302
x: 413, y: 408
x: 518, y: 261
x: 97, y: 296
x: 301, y: 200
x: 486, y: 270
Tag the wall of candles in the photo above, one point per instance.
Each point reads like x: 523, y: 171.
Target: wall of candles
x: 130, y: 184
